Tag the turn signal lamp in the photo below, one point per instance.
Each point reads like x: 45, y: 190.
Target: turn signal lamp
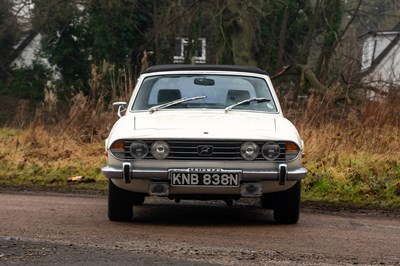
x: 118, y: 149
x: 292, y: 151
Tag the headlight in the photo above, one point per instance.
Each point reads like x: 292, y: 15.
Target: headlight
x: 270, y: 151
x: 292, y: 151
x: 118, y: 149
x: 160, y: 150
x: 139, y: 149
x: 249, y: 151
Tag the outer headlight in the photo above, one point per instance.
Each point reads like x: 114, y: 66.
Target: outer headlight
x: 117, y: 148
x: 270, y: 151
x: 249, y: 151
x: 160, y: 150
x: 292, y: 151
x: 139, y: 149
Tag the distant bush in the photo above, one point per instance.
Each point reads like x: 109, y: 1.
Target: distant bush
x: 28, y: 82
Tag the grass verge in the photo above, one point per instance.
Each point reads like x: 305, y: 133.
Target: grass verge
x: 38, y: 159
x: 344, y: 171
x: 355, y: 165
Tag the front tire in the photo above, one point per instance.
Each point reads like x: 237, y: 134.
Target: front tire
x: 286, y: 204
x: 138, y: 199
x: 120, y: 203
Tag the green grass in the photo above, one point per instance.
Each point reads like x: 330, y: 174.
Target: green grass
x: 361, y: 179
x: 37, y: 176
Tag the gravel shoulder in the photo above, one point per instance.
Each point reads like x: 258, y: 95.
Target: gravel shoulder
x: 17, y: 251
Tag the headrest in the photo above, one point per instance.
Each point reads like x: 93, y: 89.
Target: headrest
x: 168, y: 95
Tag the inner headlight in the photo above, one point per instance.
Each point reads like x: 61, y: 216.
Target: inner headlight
x: 292, y: 151
x: 270, y: 151
x: 160, y: 150
x: 139, y: 149
x: 249, y: 151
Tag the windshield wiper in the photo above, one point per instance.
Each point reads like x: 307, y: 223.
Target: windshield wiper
x: 178, y: 101
x: 254, y: 99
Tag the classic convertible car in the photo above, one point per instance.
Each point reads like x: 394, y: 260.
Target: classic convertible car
x: 209, y: 132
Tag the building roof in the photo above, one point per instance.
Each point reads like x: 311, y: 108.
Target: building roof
x: 394, y: 31
x: 181, y: 67
x: 385, y: 52
x: 377, y: 33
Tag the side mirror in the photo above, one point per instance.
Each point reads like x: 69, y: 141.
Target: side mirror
x: 119, y: 107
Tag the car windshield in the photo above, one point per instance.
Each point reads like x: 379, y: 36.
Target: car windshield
x: 216, y: 91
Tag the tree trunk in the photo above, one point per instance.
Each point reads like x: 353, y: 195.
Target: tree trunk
x: 296, y: 72
x: 243, y: 34
x: 242, y: 18
x: 282, y: 37
x: 310, y: 34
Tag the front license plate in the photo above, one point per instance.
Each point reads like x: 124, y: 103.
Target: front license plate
x: 220, y: 179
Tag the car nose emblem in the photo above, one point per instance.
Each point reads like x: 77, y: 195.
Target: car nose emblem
x: 204, y: 150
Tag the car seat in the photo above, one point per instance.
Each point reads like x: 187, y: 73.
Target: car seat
x: 168, y: 95
x: 235, y: 96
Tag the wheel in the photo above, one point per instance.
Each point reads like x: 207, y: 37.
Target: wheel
x: 267, y: 200
x: 287, y: 205
x: 138, y: 198
x: 120, y: 203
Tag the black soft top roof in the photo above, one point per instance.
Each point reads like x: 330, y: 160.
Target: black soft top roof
x: 181, y: 67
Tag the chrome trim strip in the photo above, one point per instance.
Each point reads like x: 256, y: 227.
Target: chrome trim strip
x: 247, y: 175
x: 116, y: 173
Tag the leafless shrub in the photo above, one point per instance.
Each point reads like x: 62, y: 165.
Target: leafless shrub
x: 383, y: 110
x: 334, y: 123
x: 23, y: 111
x: 86, y: 118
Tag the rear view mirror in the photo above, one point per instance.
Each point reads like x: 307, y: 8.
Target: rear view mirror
x: 204, y: 81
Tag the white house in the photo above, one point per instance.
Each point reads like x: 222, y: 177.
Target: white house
x: 380, y: 66
x: 28, y: 50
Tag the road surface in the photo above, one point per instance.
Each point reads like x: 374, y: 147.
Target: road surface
x: 66, y: 229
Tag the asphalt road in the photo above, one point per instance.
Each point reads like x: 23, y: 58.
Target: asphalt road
x: 59, y: 229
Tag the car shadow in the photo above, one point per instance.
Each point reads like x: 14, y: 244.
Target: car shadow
x: 195, y: 213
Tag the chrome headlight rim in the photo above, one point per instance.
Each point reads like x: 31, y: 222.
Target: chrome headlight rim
x: 249, y: 151
x: 139, y: 149
x: 160, y: 149
x: 272, y: 152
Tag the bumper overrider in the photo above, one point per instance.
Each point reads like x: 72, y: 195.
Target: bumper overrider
x: 163, y: 176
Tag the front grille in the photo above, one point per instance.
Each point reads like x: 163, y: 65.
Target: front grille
x: 221, y: 150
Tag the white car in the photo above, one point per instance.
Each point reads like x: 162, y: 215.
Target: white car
x: 204, y: 132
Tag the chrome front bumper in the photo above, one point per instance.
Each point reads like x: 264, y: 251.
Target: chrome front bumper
x: 281, y: 174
